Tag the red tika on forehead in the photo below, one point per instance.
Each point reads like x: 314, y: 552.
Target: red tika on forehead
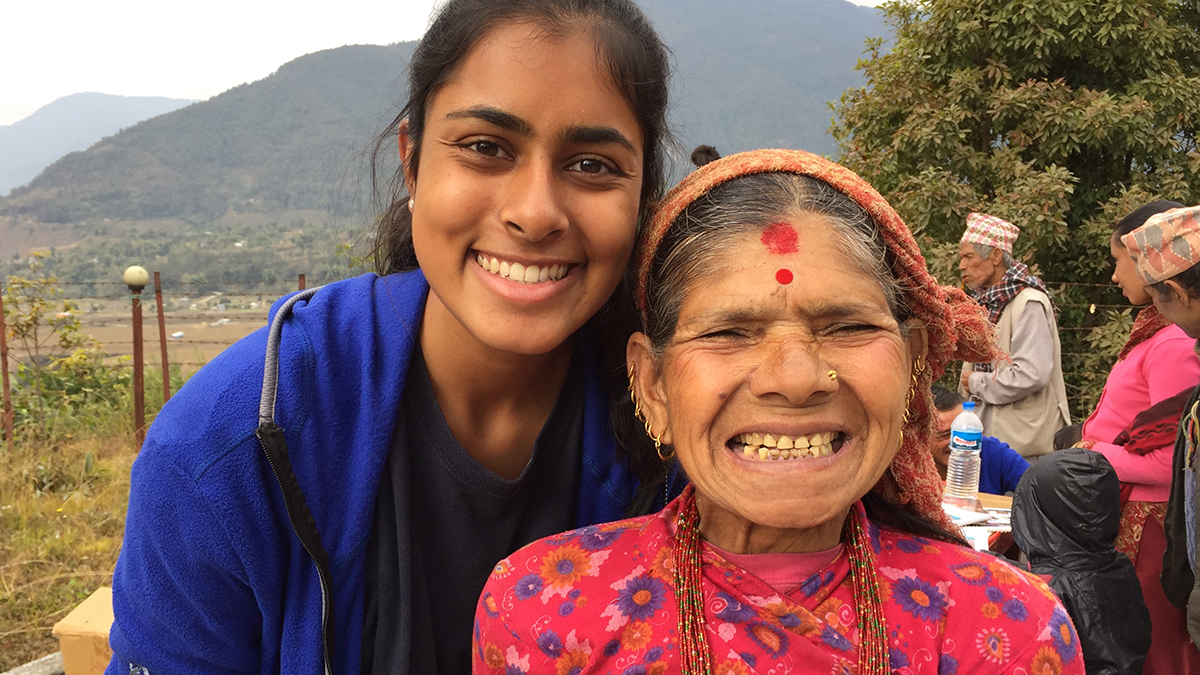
x: 781, y: 239
x: 956, y: 327
x: 784, y: 277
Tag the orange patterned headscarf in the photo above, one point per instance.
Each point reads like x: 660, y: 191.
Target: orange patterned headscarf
x: 957, y: 327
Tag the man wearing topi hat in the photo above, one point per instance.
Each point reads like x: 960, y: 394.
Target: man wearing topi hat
x: 1023, y: 398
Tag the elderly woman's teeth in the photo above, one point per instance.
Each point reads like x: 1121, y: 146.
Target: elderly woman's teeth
x: 523, y: 274
x: 775, y: 447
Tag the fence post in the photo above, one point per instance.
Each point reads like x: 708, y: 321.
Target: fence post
x: 6, y: 413
x: 302, y: 284
x: 162, y: 338
x: 136, y: 278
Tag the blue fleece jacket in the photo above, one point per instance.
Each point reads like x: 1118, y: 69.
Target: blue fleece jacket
x: 211, y: 577
x: 1000, y: 467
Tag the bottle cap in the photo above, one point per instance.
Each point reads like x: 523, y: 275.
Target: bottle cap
x: 968, y: 405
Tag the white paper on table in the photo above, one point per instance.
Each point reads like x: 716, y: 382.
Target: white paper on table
x: 963, y: 517
x: 978, y: 536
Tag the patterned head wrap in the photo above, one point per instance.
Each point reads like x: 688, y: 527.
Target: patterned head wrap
x: 990, y: 231
x: 956, y: 325
x: 1167, y: 244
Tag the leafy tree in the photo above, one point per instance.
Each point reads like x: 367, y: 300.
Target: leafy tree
x: 43, y: 328
x: 62, y: 375
x: 1060, y: 117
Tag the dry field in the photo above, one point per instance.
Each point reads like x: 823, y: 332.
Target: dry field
x: 62, y: 512
x: 207, y: 331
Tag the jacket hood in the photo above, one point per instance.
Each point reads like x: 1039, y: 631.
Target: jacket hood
x: 1067, y: 505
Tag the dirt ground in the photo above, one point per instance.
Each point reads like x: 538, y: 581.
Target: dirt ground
x: 200, y: 342
x: 207, y: 330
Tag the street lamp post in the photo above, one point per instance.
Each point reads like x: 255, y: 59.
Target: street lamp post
x: 136, y: 279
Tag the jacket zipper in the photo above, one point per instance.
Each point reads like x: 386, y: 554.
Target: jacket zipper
x: 322, y: 574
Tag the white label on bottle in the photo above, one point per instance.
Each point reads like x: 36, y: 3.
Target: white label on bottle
x: 965, y: 440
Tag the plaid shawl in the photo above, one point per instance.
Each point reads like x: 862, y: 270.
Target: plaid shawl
x: 995, y: 298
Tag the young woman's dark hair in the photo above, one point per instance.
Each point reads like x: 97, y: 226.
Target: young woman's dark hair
x: 626, y: 43
x: 1139, y: 217
x: 703, y: 154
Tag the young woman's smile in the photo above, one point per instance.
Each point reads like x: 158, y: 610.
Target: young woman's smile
x: 526, y: 198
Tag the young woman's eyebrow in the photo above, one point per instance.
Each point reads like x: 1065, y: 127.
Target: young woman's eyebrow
x: 495, y: 117
x: 583, y: 135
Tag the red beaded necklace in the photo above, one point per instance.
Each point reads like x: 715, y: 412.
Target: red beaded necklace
x: 695, y: 656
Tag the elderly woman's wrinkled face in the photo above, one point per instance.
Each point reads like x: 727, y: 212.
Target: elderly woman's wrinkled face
x: 743, y: 388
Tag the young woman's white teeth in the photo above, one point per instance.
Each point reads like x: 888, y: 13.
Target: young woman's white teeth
x: 554, y: 272
x: 494, y: 266
x: 504, y: 269
x: 531, y: 274
x: 516, y: 272
x: 543, y: 274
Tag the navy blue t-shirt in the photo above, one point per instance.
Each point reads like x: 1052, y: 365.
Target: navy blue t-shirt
x: 442, y: 522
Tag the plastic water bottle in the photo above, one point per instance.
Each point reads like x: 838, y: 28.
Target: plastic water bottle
x: 962, y: 472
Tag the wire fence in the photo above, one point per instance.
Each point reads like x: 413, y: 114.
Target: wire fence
x: 190, y: 323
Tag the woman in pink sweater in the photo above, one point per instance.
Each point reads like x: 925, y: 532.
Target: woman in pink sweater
x: 1134, y: 427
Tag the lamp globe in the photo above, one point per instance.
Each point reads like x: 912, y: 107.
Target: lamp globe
x: 136, y: 277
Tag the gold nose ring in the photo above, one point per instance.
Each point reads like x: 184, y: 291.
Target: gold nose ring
x: 832, y: 375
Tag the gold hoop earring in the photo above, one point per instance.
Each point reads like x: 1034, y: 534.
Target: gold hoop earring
x: 918, y: 368
x: 637, y: 405
x: 658, y: 448
x: 637, y: 413
x: 832, y: 375
x: 657, y: 438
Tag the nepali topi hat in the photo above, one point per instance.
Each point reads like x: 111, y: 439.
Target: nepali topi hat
x: 990, y: 231
x: 1167, y: 244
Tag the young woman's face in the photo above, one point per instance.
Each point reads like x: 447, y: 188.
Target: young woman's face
x: 526, y: 201
x: 756, y: 339
x: 1125, y: 274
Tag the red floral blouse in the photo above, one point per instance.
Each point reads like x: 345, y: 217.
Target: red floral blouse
x: 600, y: 600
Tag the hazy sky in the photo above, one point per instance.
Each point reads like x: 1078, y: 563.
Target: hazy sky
x: 180, y: 50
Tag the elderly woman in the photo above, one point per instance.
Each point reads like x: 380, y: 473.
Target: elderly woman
x: 791, y: 334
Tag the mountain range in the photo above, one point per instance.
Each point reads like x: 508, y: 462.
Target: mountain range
x: 757, y: 73
x: 68, y: 124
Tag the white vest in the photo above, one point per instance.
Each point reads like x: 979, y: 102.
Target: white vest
x: 1028, y: 425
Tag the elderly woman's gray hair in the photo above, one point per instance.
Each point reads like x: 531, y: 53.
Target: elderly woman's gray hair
x: 750, y: 204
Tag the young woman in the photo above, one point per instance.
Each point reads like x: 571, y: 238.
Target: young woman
x: 332, y: 492
x: 1134, y: 427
